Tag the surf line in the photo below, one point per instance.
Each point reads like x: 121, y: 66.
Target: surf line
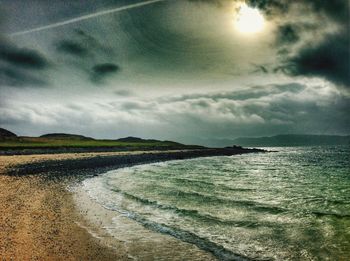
x: 86, y: 17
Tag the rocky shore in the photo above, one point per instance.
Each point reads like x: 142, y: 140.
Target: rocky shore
x: 98, y: 163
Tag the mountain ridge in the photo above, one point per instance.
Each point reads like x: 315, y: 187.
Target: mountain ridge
x: 293, y: 140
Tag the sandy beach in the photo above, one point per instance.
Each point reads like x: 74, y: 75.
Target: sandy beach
x: 37, y: 219
x: 40, y: 219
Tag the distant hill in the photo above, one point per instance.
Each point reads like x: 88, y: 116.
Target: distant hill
x: 6, y: 134
x: 293, y: 140
x: 140, y: 140
x: 63, y: 142
x: 134, y: 139
x: 65, y: 136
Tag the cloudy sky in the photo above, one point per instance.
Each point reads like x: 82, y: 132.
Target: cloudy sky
x: 186, y: 70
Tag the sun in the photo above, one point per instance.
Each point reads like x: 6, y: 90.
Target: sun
x: 249, y: 20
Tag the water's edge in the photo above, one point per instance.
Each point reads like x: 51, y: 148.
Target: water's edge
x: 117, y: 229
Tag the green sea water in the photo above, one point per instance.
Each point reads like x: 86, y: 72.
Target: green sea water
x: 293, y: 204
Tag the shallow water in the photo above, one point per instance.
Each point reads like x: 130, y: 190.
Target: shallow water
x: 288, y: 205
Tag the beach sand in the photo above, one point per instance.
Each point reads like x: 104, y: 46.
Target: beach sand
x: 37, y: 220
x: 40, y: 220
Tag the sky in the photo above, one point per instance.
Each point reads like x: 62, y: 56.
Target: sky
x: 193, y: 71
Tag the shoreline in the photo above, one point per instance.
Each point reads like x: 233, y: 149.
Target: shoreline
x: 77, y: 164
x: 41, y: 220
x: 117, y: 231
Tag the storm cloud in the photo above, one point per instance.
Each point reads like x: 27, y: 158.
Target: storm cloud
x: 23, y: 57
x: 287, y: 34
x: 177, y: 70
x: 21, y: 66
x: 72, y: 48
x: 329, y: 59
x: 101, y: 71
x: 19, y: 78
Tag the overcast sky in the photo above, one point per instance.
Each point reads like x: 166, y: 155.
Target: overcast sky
x: 174, y: 69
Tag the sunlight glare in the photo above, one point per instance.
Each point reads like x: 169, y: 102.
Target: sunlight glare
x: 249, y: 20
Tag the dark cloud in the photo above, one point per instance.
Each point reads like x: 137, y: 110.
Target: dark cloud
x: 94, y: 44
x: 82, y: 33
x: 18, y: 78
x: 287, y: 34
x: 100, y: 71
x: 327, y: 58
x: 20, y: 67
x: 72, y: 48
x: 260, y: 68
x: 22, y: 57
x: 90, y: 43
x: 105, y: 68
x: 84, y: 52
x: 338, y: 10
x: 270, y: 7
x: 330, y: 60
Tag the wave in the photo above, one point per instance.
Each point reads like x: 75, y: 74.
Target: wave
x: 203, y: 198
x: 201, y: 242
x: 336, y: 215
x: 217, y: 250
x: 206, y: 184
x: 197, y: 215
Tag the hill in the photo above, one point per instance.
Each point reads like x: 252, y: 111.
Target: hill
x: 6, y: 134
x: 134, y: 139
x: 139, y: 140
x: 63, y: 142
x: 65, y: 136
x: 293, y: 140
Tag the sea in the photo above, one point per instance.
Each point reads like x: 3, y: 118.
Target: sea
x: 292, y: 203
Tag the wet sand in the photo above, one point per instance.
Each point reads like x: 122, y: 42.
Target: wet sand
x: 40, y: 219
x: 117, y: 231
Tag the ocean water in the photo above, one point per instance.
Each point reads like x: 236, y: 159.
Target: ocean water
x: 293, y: 204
